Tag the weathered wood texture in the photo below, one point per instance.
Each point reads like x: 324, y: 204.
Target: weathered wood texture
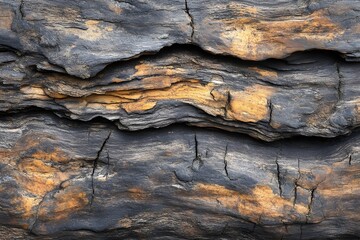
x: 84, y: 36
x: 312, y: 94
x: 64, y: 178
x: 88, y: 89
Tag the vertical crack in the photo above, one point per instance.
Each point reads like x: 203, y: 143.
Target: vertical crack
x: 226, y: 163
x: 197, y: 161
x: 310, y: 203
x: 295, y: 194
x: 278, y: 176
x: 340, y: 83
x: 196, y: 147
x: 95, y: 166
x: 21, y: 9
x: 270, y: 111
x: 191, y: 19
x: 227, y: 104
x: 296, y: 182
x: 350, y: 156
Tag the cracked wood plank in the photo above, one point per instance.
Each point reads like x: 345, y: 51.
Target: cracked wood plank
x: 309, y: 93
x: 146, y: 185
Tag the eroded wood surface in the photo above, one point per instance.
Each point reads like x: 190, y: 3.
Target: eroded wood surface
x: 88, y: 90
x: 312, y: 94
x: 63, y: 178
x: 81, y: 37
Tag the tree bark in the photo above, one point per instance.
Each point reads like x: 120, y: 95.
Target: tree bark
x: 179, y: 119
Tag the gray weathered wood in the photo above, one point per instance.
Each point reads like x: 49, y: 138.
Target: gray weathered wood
x: 88, y: 90
x: 311, y: 94
x: 65, y: 178
x: 82, y: 37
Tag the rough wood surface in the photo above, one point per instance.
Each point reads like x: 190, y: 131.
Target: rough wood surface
x: 270, y: 90
x: 258, y: 30
x: 81, y: 37
x: 312, y: 94
x: 65, y: 178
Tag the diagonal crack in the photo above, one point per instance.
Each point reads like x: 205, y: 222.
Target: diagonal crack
x: 59, y: 187
x: 37, y: 211
x: 187, y: 10
x: 95, y: 166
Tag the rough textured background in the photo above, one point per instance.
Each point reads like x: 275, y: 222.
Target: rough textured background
x: 263, y: 99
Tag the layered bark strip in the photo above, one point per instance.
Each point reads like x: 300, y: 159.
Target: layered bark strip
x: 84, y: 36
x: 88, y: 90
x: 312, y: 93
x: 63, y: 179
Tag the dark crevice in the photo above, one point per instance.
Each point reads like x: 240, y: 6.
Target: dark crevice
x: 196, y: 148
x: 350, y: 158
x: 296, y: 185
x: 221, y: 56
x: 270, y: 112
x: 95, y: 166
x: 295, y: 194
x: 278, y: 176
x: 197, y: 161
x: 340, y: 83
x: 187, y: 10
x: 194, y: 49
x: 21, y: 9
x: 227, y: 106
x: 312, y: 194
x: 226, y: 163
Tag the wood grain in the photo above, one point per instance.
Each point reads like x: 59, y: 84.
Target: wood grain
x: 182, y: 119
x: 65, y: 178
x: 82, y: 37
x: 311, y: 93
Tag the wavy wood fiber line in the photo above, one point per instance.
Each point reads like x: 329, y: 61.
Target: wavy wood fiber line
x: 179, y: 119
